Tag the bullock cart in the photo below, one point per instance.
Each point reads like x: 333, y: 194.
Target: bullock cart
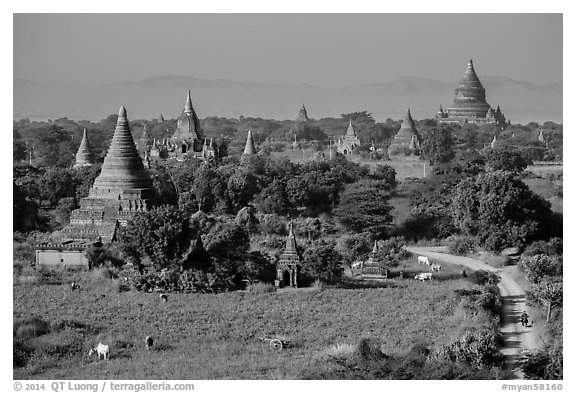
x: 277, y: 343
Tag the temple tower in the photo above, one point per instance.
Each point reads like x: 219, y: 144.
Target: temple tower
x: 121, y: 190
x: 85, y: 156
x: 144, y: 143
x: 249, y: 149
x: 470, y: 104
x: 302, y: 115
x: 188, y: 135
x: 407, y: 137
x: 348, y: 142
x: 289, y: 264
x: 122, y: 168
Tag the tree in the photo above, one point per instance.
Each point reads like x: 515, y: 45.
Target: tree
x: 85, y: 177
x: 162, y: 234
x: 258, y: 266
x: 500, y: 209
x: 273, y: 198
x: 550, y: 293
x: 506, y: 158
x: 323, y: 262
x: 57, y: 183
x: 25, y: 212
x: 438, y: 145
x: 364, y: 207
x: 539, y: 266
x: 246, y: 218
x: 354, y: 247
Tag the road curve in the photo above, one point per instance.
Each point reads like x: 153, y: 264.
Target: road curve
x: 516, y: 337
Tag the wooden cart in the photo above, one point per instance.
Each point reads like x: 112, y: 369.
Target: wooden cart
x: 277, y: 343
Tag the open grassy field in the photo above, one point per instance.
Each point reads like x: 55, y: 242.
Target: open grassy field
x: 206, y: 336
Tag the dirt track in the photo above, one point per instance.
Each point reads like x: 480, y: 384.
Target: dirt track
x: 516, y: 337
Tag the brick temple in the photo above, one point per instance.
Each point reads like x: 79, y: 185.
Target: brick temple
x: 407, y: 140
x: 122, y: 190
x: 470, y: 104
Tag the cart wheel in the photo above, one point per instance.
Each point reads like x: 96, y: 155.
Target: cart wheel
x: 276, y: 344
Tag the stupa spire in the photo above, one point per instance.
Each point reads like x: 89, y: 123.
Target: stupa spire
x: 350, y: 131
x: 122, y: 168
x: 85, y: 155
x: 249, y: 149
x: 188, y: 108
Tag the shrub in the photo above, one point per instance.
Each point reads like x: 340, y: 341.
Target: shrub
x: 260, y: 288
x: 480, y: 349
x: 392, y: 251
x: 544, y: 364
x: 483, y: 277
x: 340, y: 351
x: 461, y: 245
x: 31, y: 327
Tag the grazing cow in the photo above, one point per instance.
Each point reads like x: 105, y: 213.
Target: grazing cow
x: 101, y: 350
x: 357, y: 265
x: 149, y: 341
x: 423, y: 260
x: 74, y: 285
x: 164, y: 298
x: 435, y: 267
x: 423, y: 276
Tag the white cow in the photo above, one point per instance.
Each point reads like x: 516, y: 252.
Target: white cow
x: 435, y: 267
x: 357, y: 265
x: 423, y: 277
x: 423, y: 260
x: 101, y: 350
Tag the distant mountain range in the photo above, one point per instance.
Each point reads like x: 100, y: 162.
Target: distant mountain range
x: 520, y: 101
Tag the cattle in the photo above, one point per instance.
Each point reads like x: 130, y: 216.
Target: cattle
x: 101, y: 350
x: 74, y: 285
x: 435, y: 267
x: 423, y: 260
x: 164, y: 298
x: 357, y: 265
x: 148, y: 341
x: 423, y: 277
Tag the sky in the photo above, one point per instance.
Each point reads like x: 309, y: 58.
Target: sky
x: 319, y: 49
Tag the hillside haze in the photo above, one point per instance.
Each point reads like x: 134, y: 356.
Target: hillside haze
x: 520, y: 101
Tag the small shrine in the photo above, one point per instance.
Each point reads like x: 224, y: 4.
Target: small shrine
x: 289, y: 265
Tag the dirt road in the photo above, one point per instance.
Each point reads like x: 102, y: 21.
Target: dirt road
x: 516, y: 337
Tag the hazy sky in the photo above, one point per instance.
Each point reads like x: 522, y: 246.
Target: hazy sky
x: 322, y: 49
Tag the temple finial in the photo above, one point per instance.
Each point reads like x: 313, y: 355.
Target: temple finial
x: 188, y: 107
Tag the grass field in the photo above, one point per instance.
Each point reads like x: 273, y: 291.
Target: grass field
x: 214, y: 336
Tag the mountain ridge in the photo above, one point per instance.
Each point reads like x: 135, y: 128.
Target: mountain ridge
x: 521, y: 101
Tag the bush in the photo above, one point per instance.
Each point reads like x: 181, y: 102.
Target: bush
x: 461, y: 245
x: 392, y: 251
x: 260, y: 288
x: 480, y: 349
x: 29, y: 328
x: 484, y: 277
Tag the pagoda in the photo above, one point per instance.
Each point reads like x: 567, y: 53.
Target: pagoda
x: 470, y: 104
x: 122, y: 190
x: 188, y: 137
x: 249, y: 149
x: 348, y: 142
x: 302, y: 115
x: 407, y: 139
x: 289, y: 263
x: 372, y: 268
x: 144, y: 143
x: 85, y: 156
